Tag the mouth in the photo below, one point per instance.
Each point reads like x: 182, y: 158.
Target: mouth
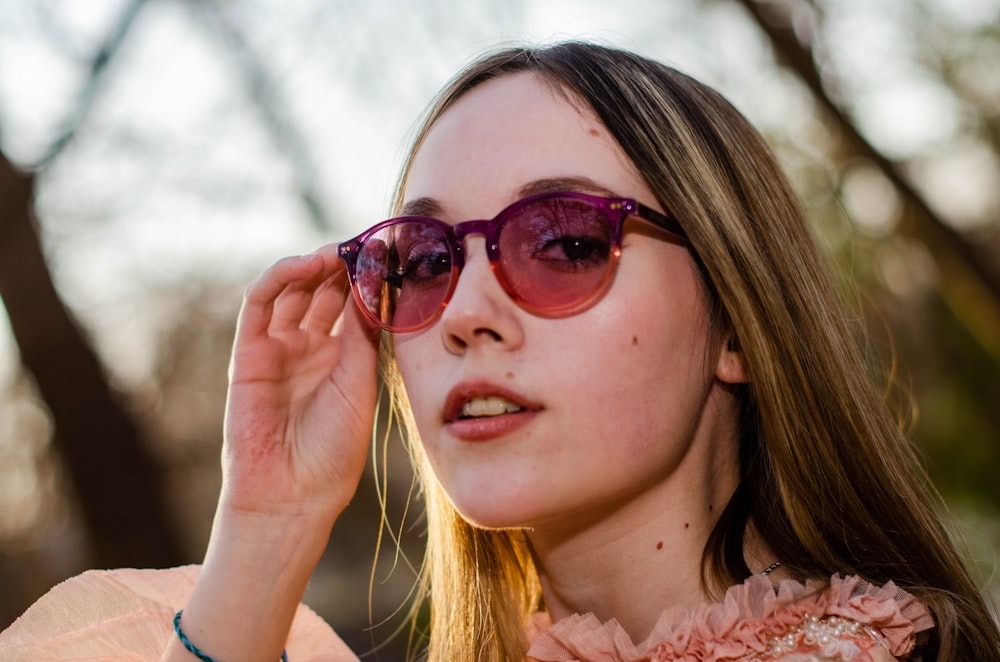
x: 487, y: 407
x: 474, y: 401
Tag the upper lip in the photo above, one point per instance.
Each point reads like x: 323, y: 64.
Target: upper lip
x: 465, y: 391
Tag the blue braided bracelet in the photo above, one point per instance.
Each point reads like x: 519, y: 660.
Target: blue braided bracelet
x: 191, y: 648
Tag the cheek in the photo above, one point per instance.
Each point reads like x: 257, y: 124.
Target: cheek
x: 414, y: 360
x: 647, y: 407
x: 655, y: 367
x: 633, y: 386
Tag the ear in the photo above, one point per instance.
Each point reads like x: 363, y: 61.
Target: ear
x: 730, y: 368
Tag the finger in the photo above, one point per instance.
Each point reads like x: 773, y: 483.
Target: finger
x: 359, y: 334
x: 328, y: 303
x: 260, y: 296
x: 358, y: 364
x: 294, y: 305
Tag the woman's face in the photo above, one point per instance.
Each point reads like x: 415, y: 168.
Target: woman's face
x: 529, y: 420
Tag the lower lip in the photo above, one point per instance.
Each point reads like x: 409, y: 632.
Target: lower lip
x: 490, y: 427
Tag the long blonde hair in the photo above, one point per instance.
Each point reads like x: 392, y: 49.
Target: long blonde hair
x: 828, y: 481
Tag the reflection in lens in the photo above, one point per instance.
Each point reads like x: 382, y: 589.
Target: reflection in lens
x: 555, y: 252
x: 371, y: 270
x: 404, y: 272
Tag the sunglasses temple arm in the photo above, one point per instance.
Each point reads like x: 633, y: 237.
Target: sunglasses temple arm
x: 663, y: 221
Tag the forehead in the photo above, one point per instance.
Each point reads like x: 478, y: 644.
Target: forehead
x: 508, y: 132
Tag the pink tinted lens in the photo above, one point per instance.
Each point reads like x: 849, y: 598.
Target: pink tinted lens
x: 555, y: 253
x: 404, y: 273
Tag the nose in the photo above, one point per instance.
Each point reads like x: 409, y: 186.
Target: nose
x: 480, y: 314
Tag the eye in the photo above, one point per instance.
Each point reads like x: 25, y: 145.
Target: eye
x: 572, y: 251
x: 424, y: 263
x: 421, y: 253
x: 562, y: 236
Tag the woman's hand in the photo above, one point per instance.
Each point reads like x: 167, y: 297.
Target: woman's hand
x: 302, y: 393
x: 298, y: 420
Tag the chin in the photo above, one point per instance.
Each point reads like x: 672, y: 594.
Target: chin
x: 495, y: 511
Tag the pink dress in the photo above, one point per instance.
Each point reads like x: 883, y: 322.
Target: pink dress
x: 126, y: 615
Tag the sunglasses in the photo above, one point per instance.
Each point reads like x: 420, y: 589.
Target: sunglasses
x: 552, y: 253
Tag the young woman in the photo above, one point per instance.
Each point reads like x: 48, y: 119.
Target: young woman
x: 640, y: 419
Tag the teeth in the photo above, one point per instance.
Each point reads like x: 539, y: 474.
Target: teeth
x: 490, y: 406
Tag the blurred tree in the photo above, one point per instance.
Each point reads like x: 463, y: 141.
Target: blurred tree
x: 118, y: 484
x: 960, y: 259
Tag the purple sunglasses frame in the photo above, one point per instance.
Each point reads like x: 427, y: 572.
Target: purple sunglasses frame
x: 615, y: 209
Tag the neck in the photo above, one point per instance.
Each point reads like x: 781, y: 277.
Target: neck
x: 636, y: 557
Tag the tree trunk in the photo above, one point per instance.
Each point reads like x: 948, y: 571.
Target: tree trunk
x: 117, y: 483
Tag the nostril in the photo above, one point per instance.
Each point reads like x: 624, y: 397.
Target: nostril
x: 485, y: 331
x: 454, y: 344
x: 457, y: 342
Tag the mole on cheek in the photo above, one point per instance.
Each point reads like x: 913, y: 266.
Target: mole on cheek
x: 510, y: 375
x: 594, y: 132
x: 635, y: 340
x: 659, y: 545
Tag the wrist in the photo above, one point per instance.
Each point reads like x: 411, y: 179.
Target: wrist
x: 255, y: 572
x: 272, y: 551
x: 190, y: 647
x: 273, y: 530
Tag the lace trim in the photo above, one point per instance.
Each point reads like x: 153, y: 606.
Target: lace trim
x: 832, y: 636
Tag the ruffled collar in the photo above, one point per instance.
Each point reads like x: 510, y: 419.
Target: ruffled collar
x: 749, y: 623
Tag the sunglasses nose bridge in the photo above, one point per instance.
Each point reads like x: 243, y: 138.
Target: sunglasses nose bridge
x: 486, y: 228
x: 465, y: 228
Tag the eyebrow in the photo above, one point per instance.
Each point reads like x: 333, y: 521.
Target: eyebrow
x: 552, y: 184
x: 422, y: 207
x: 427, y: 206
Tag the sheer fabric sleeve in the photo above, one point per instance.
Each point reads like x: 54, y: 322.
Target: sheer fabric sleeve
x: 120, y: 615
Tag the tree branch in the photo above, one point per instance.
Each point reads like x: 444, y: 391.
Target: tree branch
x: 98, y: 69
x: 946, y: 244
x: 261, y: 90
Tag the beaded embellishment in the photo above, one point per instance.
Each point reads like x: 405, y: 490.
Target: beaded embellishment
x: 833, y: 637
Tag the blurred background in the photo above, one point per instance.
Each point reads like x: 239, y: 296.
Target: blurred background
x: 155, y: 155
